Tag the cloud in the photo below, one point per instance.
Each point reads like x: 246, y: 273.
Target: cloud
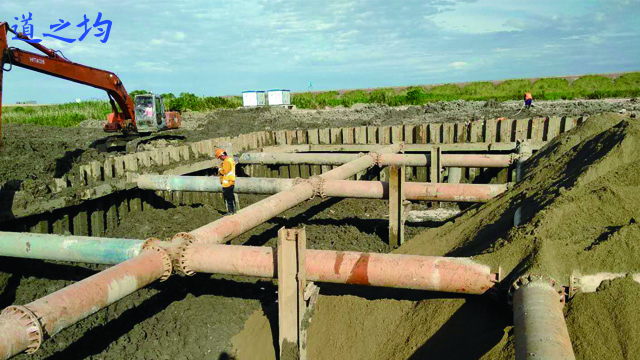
x: 458, y: 65
x: 150, y: 66
x: 179, y: 35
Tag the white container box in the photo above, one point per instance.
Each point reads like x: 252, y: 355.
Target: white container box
x: 253, y: 98
x: 279, y: 97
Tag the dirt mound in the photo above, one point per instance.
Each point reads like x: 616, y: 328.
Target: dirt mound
x: 580, y: 203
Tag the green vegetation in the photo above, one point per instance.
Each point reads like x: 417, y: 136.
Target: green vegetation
x: 62, y: 115
x: 71, y: 114
x: 586, y: 87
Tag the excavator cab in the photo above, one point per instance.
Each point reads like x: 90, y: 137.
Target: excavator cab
x: 149, y: 113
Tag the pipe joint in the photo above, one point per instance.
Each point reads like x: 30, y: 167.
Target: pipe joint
x: 31, y: 324
x: 184, y: 241
x: 318, y: 186
x: 153, y: 244
x: 530, y: 279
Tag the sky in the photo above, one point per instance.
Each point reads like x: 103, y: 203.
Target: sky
x: 213, y: 47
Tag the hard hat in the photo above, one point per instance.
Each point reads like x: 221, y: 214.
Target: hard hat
x: 219, y: 152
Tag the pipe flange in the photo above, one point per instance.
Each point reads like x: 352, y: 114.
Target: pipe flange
x: 149, y: 242
x: 30, y: 322
x: 182, y: 263
x: 166, y: 260
x: 530, y: 278
x: 298, y: 181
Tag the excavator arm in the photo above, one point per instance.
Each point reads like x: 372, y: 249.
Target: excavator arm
x: 51, y: 63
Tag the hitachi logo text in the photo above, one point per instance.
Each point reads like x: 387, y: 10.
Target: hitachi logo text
x: 36, y: 60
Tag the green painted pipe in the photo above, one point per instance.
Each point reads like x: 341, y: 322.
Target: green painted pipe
x: 84, y: 249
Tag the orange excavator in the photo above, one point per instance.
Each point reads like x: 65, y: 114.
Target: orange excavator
x: 130, y: 118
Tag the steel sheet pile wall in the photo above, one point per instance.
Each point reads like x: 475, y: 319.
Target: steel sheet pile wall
x: 103, y: 192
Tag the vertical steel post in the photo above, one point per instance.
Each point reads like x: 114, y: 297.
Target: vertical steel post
x: 524, y: 153
x: 291, y: 285
x: 396, y: 205
x: 436, y: 165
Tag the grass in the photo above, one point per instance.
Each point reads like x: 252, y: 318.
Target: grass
x: 585, y: 87
x: 62, y: 115
x: 71, y: 114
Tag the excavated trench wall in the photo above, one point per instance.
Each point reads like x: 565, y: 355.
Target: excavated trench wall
x: 98, y: 196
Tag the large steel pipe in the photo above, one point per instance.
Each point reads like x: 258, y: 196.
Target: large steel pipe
x: 458, y: 275
x: 56, y: 311
x: 85, y: 249
x: 540, y: 328
x: 225, y: 229
x: 447, y: 160
x: 243, y: 185
x: 333, y: 188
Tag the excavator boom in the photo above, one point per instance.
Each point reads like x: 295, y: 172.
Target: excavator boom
x: 51, y: 63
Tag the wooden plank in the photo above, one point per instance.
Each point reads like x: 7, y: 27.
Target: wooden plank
x: 291, y: 282
x: 396, y: 206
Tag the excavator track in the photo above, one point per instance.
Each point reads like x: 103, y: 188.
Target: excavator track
x: 130, y: 143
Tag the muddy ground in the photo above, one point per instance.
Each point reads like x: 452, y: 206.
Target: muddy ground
x: 580, y: 208
x: 187, y: 317
x: 581, y: 205
x: 33, y: 155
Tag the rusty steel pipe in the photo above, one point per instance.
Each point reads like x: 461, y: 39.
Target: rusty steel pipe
x: 67, y: 306
x: 225, y: 229
x: 457, y: 275
x: 332, y: 188
x: 447, y: 160
x: 539, y: 325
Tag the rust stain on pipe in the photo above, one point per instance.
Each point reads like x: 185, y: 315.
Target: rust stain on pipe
x: 459, y: 275
x: 67, y: 306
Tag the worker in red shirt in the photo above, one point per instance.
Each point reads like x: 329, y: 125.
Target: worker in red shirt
x: 227, y: 174
x: 528, y: 99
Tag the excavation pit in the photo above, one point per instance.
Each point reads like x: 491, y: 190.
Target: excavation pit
x: 416, y: 323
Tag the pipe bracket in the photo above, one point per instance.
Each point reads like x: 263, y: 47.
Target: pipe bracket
x: 530, y: 278
x: 182, y: 258
x: 152, y: 244
x: 31, y: 324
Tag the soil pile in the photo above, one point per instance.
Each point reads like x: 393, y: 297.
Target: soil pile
x: 580, y: 203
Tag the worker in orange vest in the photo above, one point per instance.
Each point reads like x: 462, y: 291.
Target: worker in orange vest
x: 227, y: 173
x: 528, y: 99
